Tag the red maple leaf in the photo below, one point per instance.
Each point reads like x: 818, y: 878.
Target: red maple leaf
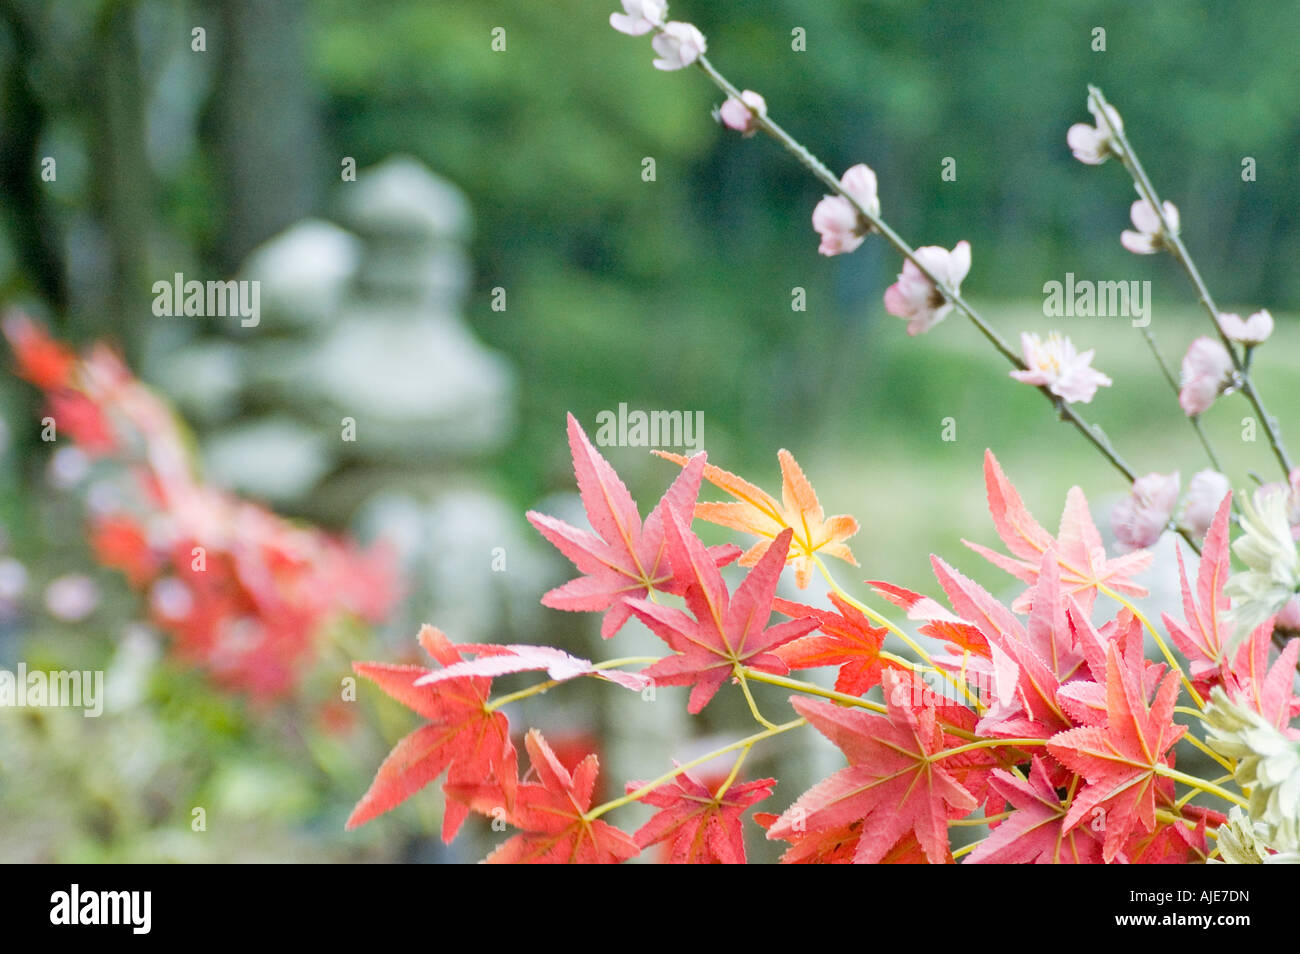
x: 824, y: 846
x: 893, y: 784
x: 1120, y: 760
x: 1204, y: 634
x: 940, y: 624
x: 551, y: 812
x: 1029, y: 663
x: 44, y: 362
x: 1034, y: 833
x: 702, y: 827
x: 726, y: 631
x: 624, y: 558
x: 1270, y: 691
x: 464, y: 738
x: 1079, y: 550
x: 121, y: 543
x: 83, y: 420
x: 1174, y: 842
x: 845, y: 639
x: 837, y: 846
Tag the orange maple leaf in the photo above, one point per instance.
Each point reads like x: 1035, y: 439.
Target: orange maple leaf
x: 759, y: 513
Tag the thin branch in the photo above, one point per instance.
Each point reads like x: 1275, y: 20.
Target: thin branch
x: 1174, y: 243
x: 1065, y: 412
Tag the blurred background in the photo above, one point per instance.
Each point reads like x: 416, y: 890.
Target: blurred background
x: 456, y: 245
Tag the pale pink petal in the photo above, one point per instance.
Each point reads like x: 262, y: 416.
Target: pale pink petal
x: 678, y: 45
x: 860, y: 182
x: 1139, y: 519
x: 1207, y: 369
x: 1252, y: 331
x: 1204, y: 495
x: 1086, y: 144
x: 837, y: 222
x: 959, y: 263
x: 1139, y: 243
x: 895, y: 302
x: 1144, y: 217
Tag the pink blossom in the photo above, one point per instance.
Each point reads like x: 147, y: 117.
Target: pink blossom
x: 839, y: 224
x: 739, y: 114
x: 678, y: 45
x: 1289, y: 617
x: 1204, y: 494
x: 72, y: 597
x: 1094, y: 144
x: 639, y: 16
x: 1140, y: 518
x: 1149, y: 237
x: 916, y: 298
x: 1058, y: 366
x: 1207, y: 371
x: 13, y: 579
x: 1252, y: 331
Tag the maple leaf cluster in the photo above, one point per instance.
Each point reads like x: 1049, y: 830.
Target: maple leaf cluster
x: 716, y: 635
x: 243, y: 593
x: 1100, y: 788
x: 1056, y: 734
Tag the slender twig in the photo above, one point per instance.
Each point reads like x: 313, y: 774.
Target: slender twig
x: 1173, y: 241
x: 1193, y: 419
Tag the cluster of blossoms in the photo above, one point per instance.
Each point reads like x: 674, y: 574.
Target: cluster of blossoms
x: 676, y: 44
x: 1056, y: 729
x: 929, y: 285
x: 243, y: 593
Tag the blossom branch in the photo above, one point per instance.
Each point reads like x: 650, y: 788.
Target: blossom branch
x: 1173, y: 241
x: 761, y: 120
x: 1194, y: 419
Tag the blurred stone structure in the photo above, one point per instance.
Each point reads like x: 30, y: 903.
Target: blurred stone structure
x: 362, y: 397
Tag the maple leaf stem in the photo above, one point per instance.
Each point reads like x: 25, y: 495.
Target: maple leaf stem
x: 746, y: 743
x: 1194, y: 792
x: 808, y: 688
x: 884, y: 621
x: 1227, y: 763
x: 1188, y: 710
x: 984, y: 744
x: 971, y: 822
x: 1164, y: 647
x: 967, y: 849
x: 626, y: 661
x: 1174, y: 818
x: 541, y: 687
x: 739, y: 670
x: 1192, y: 419
x: 735, y: 770
x: 1223, y: 762
x: 535, y: 690
x: 1199, y: 783
x: 871, y: 614
x: 1174, y: 243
